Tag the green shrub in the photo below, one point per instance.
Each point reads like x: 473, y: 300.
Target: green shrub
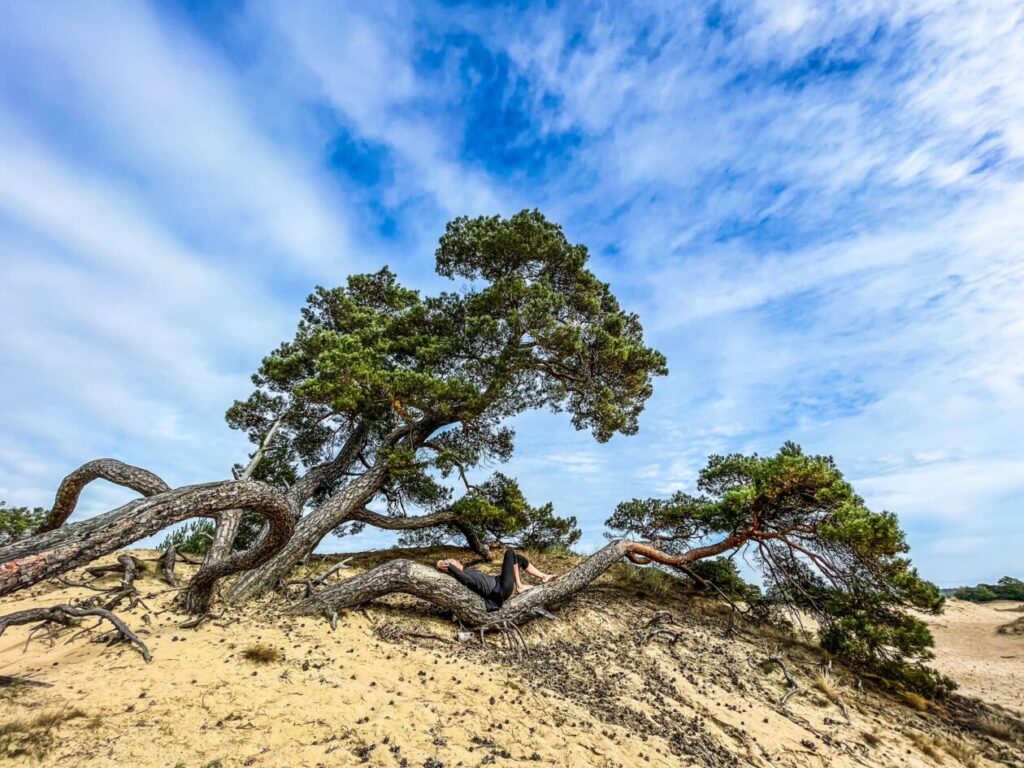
x: 1007, y: 588
x: 18, y: 522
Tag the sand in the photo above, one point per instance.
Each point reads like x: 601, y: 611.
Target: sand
x: 984, y: 663
x: 371, y: 694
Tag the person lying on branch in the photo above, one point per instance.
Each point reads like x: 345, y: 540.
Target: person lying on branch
x: 495, y: 591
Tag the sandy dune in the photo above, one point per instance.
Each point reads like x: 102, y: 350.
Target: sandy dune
x: 370, y: 693
x: 985, y: 663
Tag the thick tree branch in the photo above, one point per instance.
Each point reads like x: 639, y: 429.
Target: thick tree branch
x: 112, y: 470
x: 48, y: 554
x: 412, y: 578
x: 227, y: 526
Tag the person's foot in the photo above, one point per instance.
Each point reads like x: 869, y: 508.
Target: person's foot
x: 523, y: 588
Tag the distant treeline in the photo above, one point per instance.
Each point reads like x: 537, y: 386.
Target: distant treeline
x: 1007, y: 588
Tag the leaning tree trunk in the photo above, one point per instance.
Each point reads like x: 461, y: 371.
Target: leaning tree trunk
x: 413, y: 578
x: 136, y: 478
x: 226, y: 531
x: 309, y: 531
x: 54, y: 552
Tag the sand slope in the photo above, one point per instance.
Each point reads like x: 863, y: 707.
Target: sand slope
x: 369, y: 693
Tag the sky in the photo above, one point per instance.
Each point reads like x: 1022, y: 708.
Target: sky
x: 817, y: 211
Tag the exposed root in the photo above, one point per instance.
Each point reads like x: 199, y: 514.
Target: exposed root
x: 794, y: 687
x: 197, y: 621
x: 68, y: 616
x: 660, y: 625
x: 169, y: 558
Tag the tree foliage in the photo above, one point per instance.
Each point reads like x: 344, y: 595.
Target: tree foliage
x: 721, y: 572
x: 422, y: 386
x: 1007, y: 588
x: 819, y: 548
x: 18, y: 522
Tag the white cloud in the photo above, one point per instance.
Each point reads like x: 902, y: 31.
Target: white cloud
x: 168, y: 112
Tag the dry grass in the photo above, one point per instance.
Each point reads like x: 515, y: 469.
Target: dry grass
x: 1015, y: 627
x: 33, y: 736
x: 961, y: 751
x: 929, y: 745
x: 650, y: 581
x: 826, y: 684
x: 261, y: 653
x: 871, y: 739
x: 994, y: 726
x: 915, y: 701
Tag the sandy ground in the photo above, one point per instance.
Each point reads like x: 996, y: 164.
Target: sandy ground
x: 985, y: 663
x: 372, y: 693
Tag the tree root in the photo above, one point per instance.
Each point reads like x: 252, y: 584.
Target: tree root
x: 794, y: 687
x: 660, y: 625
x: 170, y: 559
x: 69, y: 616
x: 197, y: 621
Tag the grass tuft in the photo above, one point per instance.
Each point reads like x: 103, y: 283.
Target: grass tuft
x: 915, y: 701
x: 961, y: 751
x: 824, y: 682
x: 648, y: 580
x: 261, y: 653
x: 33, y: 736
x: 928, y: 745
x: 994, y: 726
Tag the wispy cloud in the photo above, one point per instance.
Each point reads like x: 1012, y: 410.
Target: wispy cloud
x: 815, y: 209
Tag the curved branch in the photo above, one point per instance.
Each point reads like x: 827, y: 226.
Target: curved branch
x: 416, y: 579
x: 136, y: 478
x: 418, y: 522
x: 48, y: 554
x: 323, y: 475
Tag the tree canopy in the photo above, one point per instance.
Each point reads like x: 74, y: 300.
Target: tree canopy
x: 818, y: 546
x: 406, y: 390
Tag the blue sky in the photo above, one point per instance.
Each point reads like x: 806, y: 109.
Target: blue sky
x: 816, y: 209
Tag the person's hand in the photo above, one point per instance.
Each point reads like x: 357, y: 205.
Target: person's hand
x: 442, y: 565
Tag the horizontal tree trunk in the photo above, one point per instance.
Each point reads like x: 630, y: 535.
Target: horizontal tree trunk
x: 428, y: 583
x: 136, y: 478
x: 439, y: 588
x: 48, y: 554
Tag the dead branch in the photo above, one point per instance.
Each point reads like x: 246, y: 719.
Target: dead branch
x: 777, y: 660
x: 68, y: 616
x: 170, y: 558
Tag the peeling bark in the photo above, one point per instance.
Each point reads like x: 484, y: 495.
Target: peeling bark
x: 112, y: 470
x: 48, y: 554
